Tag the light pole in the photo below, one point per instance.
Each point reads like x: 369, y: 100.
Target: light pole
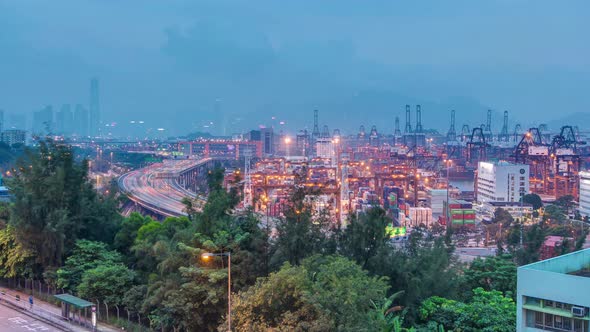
x: 208, y: 255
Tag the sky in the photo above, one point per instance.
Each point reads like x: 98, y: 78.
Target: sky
x: 227, y: 66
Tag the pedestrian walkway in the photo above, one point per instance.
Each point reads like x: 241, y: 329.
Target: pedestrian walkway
x: 44, y: 310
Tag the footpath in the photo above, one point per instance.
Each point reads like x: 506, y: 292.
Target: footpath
x: 44, y: 311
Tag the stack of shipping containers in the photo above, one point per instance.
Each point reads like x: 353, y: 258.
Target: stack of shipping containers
x: 462, y: 213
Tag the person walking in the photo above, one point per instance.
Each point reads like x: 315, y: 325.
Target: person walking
x: 31, y: 302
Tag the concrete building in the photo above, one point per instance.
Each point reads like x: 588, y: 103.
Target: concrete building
x: 584, y: 193
x: 501, y: 181
x: 516, y: 209
x: 325, y: 148
x: 268, y: 141
x: 554, y: 294
x: 13, y: 136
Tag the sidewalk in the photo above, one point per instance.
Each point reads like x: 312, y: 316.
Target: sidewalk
x: 46, y: 311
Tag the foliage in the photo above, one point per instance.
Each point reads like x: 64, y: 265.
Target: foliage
x: 503, y: 217
x: 554, y: 213
x: 55, y: 205
x: 534, y: 200
x: 107, y: 282
x: 487, y: 311
x: 324, y: 293
x: 299, y: 235
x: 86, y: 256
x: 492, y: 273
x: 364, y: 236
x: 533, y: 238
x: 125, y: 237
x: 13, y: 257
x: 425, y: 267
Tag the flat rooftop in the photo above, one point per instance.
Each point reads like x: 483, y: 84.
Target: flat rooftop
x: 575, y: 264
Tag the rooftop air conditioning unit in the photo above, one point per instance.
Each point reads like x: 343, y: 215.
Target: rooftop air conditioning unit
x: 578, y: 311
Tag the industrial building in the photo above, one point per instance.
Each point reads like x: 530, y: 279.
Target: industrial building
x: 554, y: 294
x: 584, y: 193
x: 501, y: 181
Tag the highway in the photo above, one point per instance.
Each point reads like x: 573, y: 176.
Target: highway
x: 156, y: 187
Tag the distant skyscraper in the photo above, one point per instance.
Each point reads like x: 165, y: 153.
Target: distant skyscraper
x: 43, y: 121
x: 94, y: 108
x: 16, y: 121
x: 80, y: 121
x: 64, y: 120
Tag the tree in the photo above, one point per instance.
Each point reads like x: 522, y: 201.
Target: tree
x: 554, y: 214
x: 364, y: 236
x: 487, y: 311
x: 107, y: 282
x: 425, y: 267
x: 534, y: 200
x: 125, y: 237
x: 14, y: 258
x: 86, y: 256
x: 299, y: 235
x: 566, y: 202
x: 492, y: 273
x: 503, y: 217
x: 324, y: 293
x: 55, y: 205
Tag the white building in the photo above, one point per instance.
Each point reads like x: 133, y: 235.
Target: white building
x: 554, y: 294
x: 501, y: 181
x: 325, y: 148
x: 585, y: 193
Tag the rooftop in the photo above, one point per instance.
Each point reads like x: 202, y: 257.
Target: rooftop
x: 575, y: 264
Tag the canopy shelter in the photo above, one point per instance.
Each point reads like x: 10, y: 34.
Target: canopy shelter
x: 68, y: 301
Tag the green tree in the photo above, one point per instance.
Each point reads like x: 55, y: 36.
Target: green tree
x: 125, y: 237
x: 492, y: 273
x: 55, y: 205
x: 364, y: 236
x: 487, y: 311
x: 534, y: 200
x: 14, y: 258
x: 503, y: 217
x: 299, y: 234
x: 325, y: 293
x: 86, y: 256
x: 566, y: 202
x: 554, y: 214
x: 106, y: 282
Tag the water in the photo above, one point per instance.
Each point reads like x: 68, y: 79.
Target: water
x: 463, y: 185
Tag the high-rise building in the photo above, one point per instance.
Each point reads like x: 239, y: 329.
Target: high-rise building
x: 80, y: 121
x: 325, y: 147
x: 94, y: 108
x: 552, y: 295
x: 267, y: 138
x: 13, y: 136
x: 64, y: 120
x: 501, y: 181
x: 16, y: 121
x: 584, y: 193
x: 43, y: 121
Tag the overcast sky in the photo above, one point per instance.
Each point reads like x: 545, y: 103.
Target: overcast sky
x: 183, y: 65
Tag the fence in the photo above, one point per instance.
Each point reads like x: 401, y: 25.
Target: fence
x: 110, y: 314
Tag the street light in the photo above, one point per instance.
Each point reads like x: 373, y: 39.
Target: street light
x: 206, y: 257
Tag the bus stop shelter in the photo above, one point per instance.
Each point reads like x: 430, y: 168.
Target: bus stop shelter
x: 72, y: 305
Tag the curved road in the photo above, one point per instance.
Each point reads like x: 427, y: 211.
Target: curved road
x: 156, y: 187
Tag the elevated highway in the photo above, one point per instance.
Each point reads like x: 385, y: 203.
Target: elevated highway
x: 160, y: 188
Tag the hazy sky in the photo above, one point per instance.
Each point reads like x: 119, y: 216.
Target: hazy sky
x: 183, y: 64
